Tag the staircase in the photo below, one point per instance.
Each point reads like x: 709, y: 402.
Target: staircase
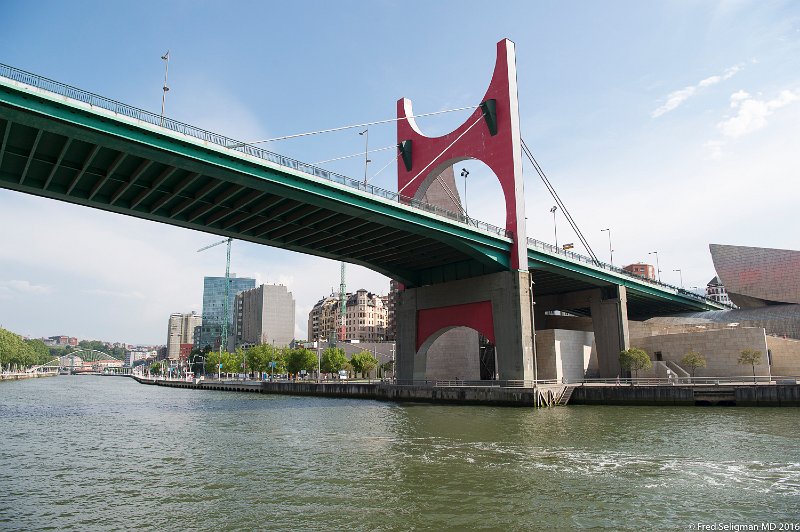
x: 563, y: 399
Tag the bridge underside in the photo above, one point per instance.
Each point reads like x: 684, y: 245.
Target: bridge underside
x: 70, y: 155
x: 641, y: 305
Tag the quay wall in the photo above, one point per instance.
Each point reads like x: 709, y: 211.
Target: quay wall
x: 666, y: 395
x: 20, y: 376
x: 729, y: 395
x: 379, y: 392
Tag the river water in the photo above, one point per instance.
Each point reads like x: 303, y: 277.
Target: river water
x: 90, y: 452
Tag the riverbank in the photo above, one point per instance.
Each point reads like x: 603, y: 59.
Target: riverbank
x: 485, y: 395
x: 20, y: 376
x: 549, y: 395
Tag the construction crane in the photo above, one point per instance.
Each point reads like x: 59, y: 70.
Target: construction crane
x: 225, y: 311
x: 342, y: 306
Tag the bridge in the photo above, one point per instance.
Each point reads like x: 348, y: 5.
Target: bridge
x: 63, y: 143
x: 66, y: 363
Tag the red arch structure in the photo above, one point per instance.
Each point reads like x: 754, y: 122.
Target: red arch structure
x: 491, y: 135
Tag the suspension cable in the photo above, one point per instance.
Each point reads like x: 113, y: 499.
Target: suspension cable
x: 441, y: 153
x: 384, y: 167
x: 356, y: 154
x: 341, y: 128
x: 557, y: 198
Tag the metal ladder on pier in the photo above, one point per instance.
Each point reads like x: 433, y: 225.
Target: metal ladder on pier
x: 563, y: 399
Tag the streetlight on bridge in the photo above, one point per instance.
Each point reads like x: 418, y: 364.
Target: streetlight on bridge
x: 658, y: 268
x: 610, y: 251
x: 553, y: 210
x: 680, y: 272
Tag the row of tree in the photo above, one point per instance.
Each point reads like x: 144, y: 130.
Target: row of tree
x: 282, y: 360
x: 20, y: 353
x: 635, y: 359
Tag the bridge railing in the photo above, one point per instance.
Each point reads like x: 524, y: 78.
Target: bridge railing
x: 705, y: 381
x: 114, y: 106
x: 555, y: 250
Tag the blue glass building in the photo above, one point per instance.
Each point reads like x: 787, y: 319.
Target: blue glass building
x: 213, y: 307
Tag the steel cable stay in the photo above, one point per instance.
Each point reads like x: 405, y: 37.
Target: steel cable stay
x: 558, y: 201
x: 353, y: 126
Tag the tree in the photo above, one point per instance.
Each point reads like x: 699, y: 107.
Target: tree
x: 693, y: 360
x: 634, y: 359
x: 333, y: 360
x: 14, y: 351
x: 752, y: 357
x: 363, y: 362
x: 299, y: 359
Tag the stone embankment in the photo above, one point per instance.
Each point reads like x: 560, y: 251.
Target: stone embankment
x: 685, y: 395
x: 20, y: 376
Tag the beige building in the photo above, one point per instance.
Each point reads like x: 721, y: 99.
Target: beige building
x: 366, y: 317
x: 181, y: 331
x: 264, y: 315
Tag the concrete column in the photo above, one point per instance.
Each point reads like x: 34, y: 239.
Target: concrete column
x: 609, y: 307
x: 509, y: 294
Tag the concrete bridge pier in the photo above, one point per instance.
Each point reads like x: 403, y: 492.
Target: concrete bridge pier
x: 609, y: 311
x: 496, y: 305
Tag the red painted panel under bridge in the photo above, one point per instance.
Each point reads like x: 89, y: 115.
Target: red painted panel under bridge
x: 477, y: 316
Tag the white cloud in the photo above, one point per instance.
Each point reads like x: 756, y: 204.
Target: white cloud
x: 752, y: 113
x: 676, y: 98
x: 24, y: 287
x: 112, y: 293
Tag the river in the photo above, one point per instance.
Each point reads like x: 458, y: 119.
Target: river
x: 100, y: 453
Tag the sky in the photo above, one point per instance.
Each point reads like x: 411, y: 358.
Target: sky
x: 675, y: 124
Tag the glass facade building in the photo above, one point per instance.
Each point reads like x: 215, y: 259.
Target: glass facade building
x: 214, y: 304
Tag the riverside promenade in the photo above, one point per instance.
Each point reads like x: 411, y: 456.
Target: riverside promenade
x: 20, y: 376
x: 450, y: 392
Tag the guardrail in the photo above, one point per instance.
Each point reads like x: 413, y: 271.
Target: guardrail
x: 477, y: 384
x: 554, y: 250
x: 658, y: 381
x: 120, y: 108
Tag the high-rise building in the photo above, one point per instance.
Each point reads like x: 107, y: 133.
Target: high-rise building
x: 180, y: 333
x: 213, y: 308
x: 264, y: 315
x: 366, y: 317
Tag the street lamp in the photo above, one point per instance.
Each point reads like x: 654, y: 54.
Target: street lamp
x: 553, y: 210
x: 464, y: 174
x: 681, y: 274
x: 365, y: 134
x: 165, y: 57
x: 610, y: 251
x: 658, y: 268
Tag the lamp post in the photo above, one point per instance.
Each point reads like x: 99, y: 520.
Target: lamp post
x: 165, y: 57
x: 464, y: 174
x: 319, y: 363
x: 610, y: 251
x: 658, y: 268
x: 365, y: 134
x: 553, y: 210
x: 681, y: 274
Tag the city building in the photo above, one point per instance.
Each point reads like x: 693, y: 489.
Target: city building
x: 264, y: 315
x: 366, y: 317
x: 133, y: 355
x: 63, y: 340
x: 213, y: 308
x: 180, y: 333
x: 715, y: 291
x: 644, y: 270
x: 391, y: 308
